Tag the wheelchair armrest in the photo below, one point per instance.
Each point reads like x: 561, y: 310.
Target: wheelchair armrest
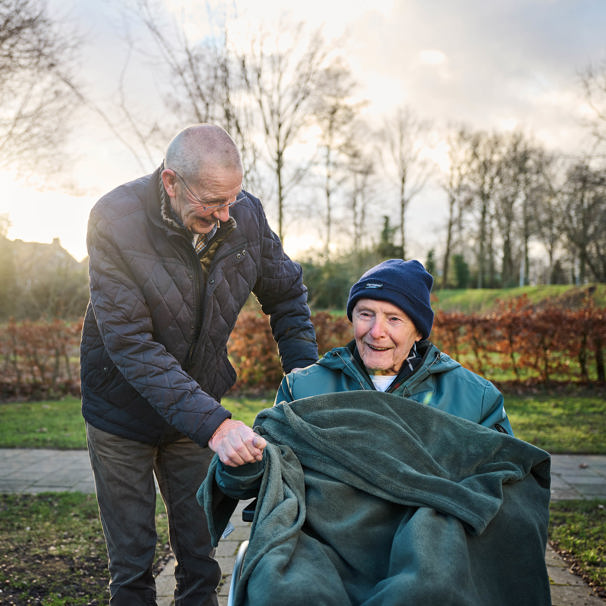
x: 248, y: 513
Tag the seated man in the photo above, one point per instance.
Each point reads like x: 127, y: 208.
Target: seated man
x: 390, y: 309
x: 397, y: 498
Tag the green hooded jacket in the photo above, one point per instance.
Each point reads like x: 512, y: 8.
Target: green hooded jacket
x: 438, y: 381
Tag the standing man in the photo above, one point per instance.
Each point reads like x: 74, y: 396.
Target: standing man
x: 173, y: 258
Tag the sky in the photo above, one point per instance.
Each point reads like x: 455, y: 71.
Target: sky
x: 503, y: 65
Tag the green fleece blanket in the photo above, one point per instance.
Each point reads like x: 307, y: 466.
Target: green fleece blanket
x: 368, y: 498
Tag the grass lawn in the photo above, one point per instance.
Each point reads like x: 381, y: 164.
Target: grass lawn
x: 53, y: 424
x: 481, y: 300
x: 577, y: 530
x: 59, y: 424
x: 52, y: 550
x: 558, y: 423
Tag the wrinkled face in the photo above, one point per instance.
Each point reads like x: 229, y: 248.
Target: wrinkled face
x: 201, y: 203
x: 384, y: 335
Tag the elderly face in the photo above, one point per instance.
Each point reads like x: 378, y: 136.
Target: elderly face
x: 201, y: 202
x: 384, y: 335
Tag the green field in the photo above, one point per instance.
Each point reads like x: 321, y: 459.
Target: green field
x: 486, y: 299
x: 558, y: 423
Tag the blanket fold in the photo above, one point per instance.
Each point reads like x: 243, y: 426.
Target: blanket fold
x: 368, y: 498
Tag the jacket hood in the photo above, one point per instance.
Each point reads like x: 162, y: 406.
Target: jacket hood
x: 434, y: 361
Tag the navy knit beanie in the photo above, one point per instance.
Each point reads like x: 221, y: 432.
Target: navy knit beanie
x: 406, y: 284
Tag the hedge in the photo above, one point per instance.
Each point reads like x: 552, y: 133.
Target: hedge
x: 517, y: 343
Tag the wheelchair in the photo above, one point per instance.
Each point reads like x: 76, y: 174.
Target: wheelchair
x: 248, y: 514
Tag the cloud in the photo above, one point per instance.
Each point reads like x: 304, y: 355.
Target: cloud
x: 432, y: 56
x: 483, y: 63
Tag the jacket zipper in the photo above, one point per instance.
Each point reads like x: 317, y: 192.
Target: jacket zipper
x: 355, y: 373
x: 197, y: 323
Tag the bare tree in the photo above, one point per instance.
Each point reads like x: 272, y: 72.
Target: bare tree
x: 483, y: 176
x: 584, y: 217
x: 361, y: 192
x: 335, y: 113
x: 283, y: 83
x: 457, y: 191
x: 537, y: 187
x: 36, y: 86
x: 262, y: 95
x: 406, y: 135
x: 513, y: 168
x: 593, y: 83
x: 205, y: 85
x: 547, y: 208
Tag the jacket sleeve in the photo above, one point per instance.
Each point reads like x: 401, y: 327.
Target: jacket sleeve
x: 283, y: 297
x: 125, y: 326
x: 284, y: 392
x: 240, y: 482
x: 493, y: 410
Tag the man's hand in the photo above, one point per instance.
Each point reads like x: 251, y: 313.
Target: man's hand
x: 237, y: 444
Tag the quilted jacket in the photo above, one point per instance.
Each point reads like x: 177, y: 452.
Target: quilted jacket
x: 439, y: 382
x: 153, y: 352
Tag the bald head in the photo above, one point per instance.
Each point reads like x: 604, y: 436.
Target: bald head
x: 200, y: 149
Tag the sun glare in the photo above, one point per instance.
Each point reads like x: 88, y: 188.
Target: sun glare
x: 37, y: 216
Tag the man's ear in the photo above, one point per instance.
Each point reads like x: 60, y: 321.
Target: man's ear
x: 168, y: 180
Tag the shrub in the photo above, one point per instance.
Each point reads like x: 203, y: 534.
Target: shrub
x: 517, y: 343
x: 39, y: 360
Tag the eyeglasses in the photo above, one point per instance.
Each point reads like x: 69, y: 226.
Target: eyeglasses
x: 203, y: 205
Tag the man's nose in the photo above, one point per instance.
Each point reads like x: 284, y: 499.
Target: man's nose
x: 378, y: 328
x: 222, y: 213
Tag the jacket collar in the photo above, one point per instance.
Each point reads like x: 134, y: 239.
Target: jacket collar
x: 348, y: 360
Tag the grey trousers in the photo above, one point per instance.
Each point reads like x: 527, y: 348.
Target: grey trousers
x: 124, y: 481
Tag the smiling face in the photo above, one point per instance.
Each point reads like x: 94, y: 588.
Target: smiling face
x: 384, y: 335
x: 219, y: 189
